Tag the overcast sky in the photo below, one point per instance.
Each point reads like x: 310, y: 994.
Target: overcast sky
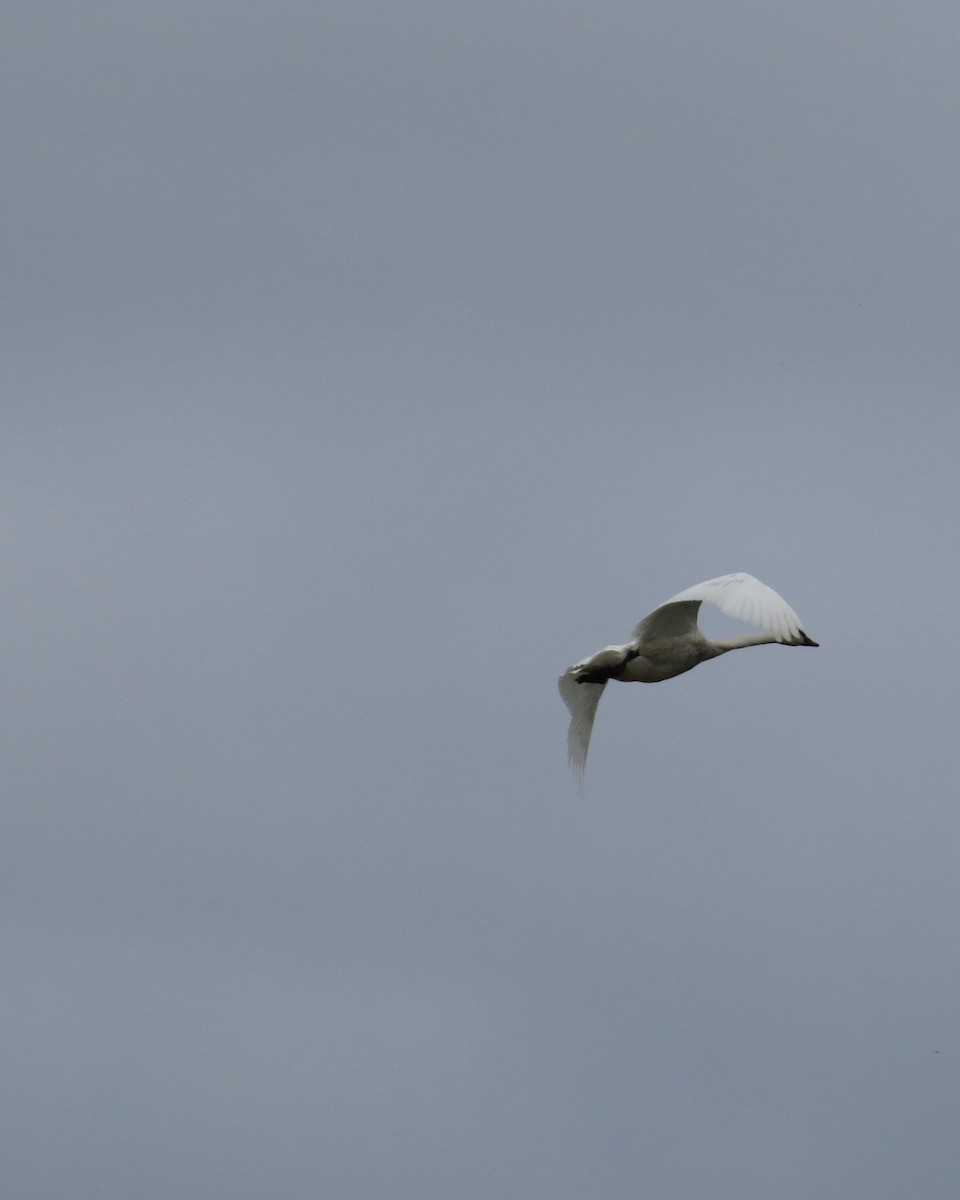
x: 365, y: 364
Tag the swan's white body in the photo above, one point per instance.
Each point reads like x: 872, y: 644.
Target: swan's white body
x: 669, y: 642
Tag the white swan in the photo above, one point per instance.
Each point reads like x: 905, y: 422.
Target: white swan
x: 669, y: 642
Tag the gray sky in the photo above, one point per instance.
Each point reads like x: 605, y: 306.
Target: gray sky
x: 364, y: 365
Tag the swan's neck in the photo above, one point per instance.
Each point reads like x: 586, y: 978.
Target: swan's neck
x: 758, y: 639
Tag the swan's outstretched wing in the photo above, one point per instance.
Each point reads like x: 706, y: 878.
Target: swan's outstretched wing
x: 582, y: 700
x: 673, y: 619
x: 737, y: 595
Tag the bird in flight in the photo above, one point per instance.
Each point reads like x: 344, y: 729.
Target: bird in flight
x: 669, y: 642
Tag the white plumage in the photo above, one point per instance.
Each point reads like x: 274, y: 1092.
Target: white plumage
x: 668, y: 642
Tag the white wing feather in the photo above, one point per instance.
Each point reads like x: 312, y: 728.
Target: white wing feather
x: 582, y: 700
x: 738, y: 595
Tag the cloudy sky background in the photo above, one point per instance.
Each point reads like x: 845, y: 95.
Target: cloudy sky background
x: 364, y: 365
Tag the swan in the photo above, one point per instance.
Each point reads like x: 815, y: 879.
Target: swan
x: 668, y: 642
